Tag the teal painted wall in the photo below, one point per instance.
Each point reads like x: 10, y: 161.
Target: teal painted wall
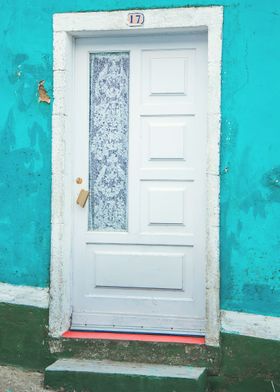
x: 250, y: 166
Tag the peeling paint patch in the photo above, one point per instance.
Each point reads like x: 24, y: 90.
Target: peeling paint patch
x: 43, y: 95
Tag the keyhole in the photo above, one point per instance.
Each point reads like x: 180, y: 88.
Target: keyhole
x: 79, y: 180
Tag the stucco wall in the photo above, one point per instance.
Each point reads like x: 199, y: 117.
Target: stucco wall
x: 250, y: 167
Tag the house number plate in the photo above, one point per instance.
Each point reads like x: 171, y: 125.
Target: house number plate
x: 135, y: 19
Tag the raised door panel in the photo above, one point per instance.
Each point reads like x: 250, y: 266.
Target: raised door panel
x: 168, y: 80
x: 167, y: 207
x: 168, y: 142
x: 139, y: 270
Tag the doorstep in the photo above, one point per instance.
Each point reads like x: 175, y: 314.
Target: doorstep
x: 99, y: 376
x: 140, y: 348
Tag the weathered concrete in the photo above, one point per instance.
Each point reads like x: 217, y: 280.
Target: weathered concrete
x: 147, y: 352
x: 18, y: 380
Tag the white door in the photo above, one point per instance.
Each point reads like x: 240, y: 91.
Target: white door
x: 140, y: 149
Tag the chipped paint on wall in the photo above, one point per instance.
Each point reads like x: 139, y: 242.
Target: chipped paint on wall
x: 250, y: 171
x: 43, y: 95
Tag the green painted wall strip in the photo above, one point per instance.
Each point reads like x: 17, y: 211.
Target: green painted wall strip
x: 245, y: 357
x: 223, y: 384
x: 24, y: 336
x: 247, y: 365
x: 24, y: 342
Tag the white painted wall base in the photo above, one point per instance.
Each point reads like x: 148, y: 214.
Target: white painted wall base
x: 257, y: 326
x: 24, y: 295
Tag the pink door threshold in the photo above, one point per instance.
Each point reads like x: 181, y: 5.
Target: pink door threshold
x: 134, y: 337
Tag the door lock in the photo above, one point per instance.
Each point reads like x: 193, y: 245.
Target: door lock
x: 82, y: 198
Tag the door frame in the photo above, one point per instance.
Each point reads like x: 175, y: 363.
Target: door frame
x: 69, y: 26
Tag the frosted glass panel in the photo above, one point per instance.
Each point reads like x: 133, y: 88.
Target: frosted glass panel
x: 108, y: 141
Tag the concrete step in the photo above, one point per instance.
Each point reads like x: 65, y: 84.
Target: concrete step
x: 108, y: 376
x: 160, y: 353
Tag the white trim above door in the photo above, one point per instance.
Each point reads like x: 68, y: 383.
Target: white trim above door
x: 67, y: 27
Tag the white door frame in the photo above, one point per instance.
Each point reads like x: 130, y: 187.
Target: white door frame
x: 69, y: 26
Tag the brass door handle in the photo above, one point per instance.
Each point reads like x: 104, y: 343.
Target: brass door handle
x: 82, y: 198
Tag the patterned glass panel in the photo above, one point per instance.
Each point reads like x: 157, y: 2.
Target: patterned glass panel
x: 108, y: 141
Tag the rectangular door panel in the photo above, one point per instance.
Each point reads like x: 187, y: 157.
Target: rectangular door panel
x: 168, y: 142
x: 168, y: 79
x: 139, y: 270
x: 108, y: 293
x: 167, y: 207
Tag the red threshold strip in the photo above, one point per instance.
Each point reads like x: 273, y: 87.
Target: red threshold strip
x: 134, y: 337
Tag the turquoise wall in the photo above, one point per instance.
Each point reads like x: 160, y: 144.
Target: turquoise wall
x: 250, y: 167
